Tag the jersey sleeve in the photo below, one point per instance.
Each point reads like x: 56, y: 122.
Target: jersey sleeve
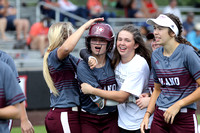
x: 11, y: 63
x: 85, y: 75
x: 53, y: 59
x: 13, y: 93
x: 155, y: 78
x: 193, y: 63
x: 9, y: 60
x: 84, y: 54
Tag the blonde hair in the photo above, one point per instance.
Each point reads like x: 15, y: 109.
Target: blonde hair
x: 57, y: 35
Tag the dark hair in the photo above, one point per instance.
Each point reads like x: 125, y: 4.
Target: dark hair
x: 141, y: 50
x: 179, y: 37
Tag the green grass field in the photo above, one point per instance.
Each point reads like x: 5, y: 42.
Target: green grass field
x: 38, y: 129
x: 41, y: 129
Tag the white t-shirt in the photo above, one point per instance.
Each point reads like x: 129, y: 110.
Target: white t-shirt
x: 133, y: 78
x: 69, y: 6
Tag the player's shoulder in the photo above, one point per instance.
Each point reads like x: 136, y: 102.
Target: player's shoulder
x: 4, y: 67
x: 188, y: 50
x: 82, y: 66
x: 4, y: 55
x: 2, y: 64
x: 138, y: 62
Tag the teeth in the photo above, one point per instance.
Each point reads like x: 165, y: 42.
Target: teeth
x: 122, y: 48
x: 97, y: 47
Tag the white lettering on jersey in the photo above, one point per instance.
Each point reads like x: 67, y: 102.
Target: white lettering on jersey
x: 111, y: 87
x: 169, y: 81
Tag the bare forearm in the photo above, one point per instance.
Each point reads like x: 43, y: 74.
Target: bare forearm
x: 73, y: 39
x: 10, y: 112
x: 190, y: 98
x: 154, y: 96
x: 119, y: 96
x: 23, y: 112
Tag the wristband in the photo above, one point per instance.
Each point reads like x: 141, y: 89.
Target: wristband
x: 148, y: 112
x: 93, y: 58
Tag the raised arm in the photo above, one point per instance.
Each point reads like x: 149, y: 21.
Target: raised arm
x: 71, y: 42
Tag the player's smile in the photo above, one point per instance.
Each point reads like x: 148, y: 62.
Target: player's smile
x: 126, y: 45
x: 122, y: 48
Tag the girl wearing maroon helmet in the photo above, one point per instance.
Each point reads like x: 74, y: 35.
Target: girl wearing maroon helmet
x: 94, y: 117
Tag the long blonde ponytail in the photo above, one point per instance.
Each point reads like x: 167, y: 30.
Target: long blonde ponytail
x: 57, y: 35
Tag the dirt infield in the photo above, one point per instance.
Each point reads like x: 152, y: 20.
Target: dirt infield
x: 36, y: 117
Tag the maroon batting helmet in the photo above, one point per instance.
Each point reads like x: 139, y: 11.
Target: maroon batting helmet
x: 101, y: 30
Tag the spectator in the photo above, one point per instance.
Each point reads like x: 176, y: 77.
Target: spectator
x: 3, y: 22
x: 68, y: 6
x: 150, y: 8
x: 37, y: 38
x: 173, y: 8
x: 194, y: 36
x: 134, y: 11
x: 11, y: 97
x: 48, y: 11
x: 144, y: 31
x: 188, y: 24
x: 123, y: 3
x: 20, y: 25
x: 96, y: 9
x: 149, y: 40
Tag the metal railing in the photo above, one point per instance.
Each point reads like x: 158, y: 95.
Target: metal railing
x: 184, y: 9
x: 57, y: 14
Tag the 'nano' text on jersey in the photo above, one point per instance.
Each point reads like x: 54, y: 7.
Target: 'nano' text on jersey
x: 169, y: 81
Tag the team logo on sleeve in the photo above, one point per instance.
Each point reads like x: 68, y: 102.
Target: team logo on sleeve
x: 157, y: 62
x: 99, y: 30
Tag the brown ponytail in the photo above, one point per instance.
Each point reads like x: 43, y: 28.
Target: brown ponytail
x: 179, y: 37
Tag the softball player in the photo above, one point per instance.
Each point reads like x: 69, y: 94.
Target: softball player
x: 10, y: 98
x: 59, y: 70
x: 94, y: 117
x: 176, y: 71
x: 26, y: 125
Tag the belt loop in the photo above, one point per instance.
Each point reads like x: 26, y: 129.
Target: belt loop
x: 74, y: 108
